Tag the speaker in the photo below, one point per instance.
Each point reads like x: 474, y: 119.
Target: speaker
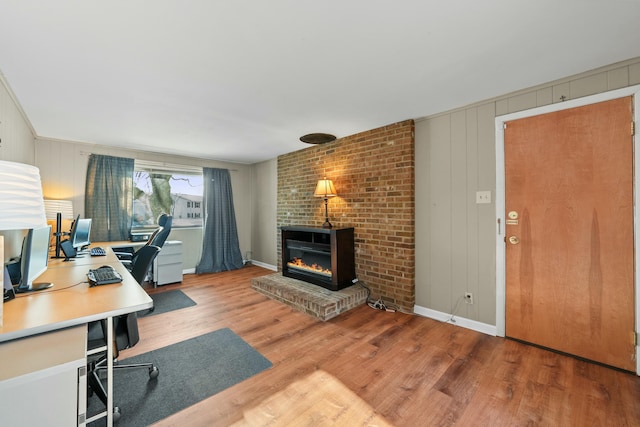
x: 68, y: 249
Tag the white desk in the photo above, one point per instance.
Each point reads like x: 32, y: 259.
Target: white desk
x: 43, y: 342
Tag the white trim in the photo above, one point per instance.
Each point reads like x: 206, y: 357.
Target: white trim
x: 463, y: 322
x: 578, y: 102
x: 500, y: 235
x: 500, y: 195
x: 169, y: 168
x: 264, y: 265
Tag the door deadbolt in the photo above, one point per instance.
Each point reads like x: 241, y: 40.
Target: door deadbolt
x: 514, y: 240
x: 513, y: 215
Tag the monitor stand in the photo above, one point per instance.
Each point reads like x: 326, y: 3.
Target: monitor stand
x: 34, y: 287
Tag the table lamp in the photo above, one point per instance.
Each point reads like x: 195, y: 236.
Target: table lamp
x: 325, y: 189
x: 21, y: 202
x: 58, y: 210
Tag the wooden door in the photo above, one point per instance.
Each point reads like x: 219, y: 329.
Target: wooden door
x: 569, y: 231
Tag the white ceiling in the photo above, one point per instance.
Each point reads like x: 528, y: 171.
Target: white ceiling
x: 243, y: 80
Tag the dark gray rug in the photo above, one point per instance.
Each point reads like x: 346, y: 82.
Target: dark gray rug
x: 190, y: 371
x: 168, y: 301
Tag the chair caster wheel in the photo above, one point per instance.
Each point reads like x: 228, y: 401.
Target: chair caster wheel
x: 153, y: 372
x: 116, y: 414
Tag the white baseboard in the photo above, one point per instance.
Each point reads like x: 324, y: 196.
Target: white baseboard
x: 456, y: 320
x: 258, y: 263
x: 263, y: 265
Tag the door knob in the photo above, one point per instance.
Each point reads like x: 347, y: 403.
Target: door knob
x: 514, y: 240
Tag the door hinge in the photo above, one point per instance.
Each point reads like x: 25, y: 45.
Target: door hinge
x: 634, y: 338
x: 633, y: 128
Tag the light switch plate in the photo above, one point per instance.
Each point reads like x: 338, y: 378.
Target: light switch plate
x: 483, y: 197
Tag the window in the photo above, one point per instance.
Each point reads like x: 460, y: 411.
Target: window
x: 173, y: 189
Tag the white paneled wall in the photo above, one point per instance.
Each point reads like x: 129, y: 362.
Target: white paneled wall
x: 63, y: 166
x: 264, y: 234
x: 16, y: 135
x: 455, y: 158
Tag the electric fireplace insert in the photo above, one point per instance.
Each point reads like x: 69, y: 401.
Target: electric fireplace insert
x: 323, y: 257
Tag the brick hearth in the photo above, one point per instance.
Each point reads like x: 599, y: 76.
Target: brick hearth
x: 307, y: 298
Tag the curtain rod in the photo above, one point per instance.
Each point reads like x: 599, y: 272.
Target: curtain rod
x: 150, y: 164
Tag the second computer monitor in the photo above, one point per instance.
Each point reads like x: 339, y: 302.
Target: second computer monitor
x: 81, y: 233
x: 34, y: 259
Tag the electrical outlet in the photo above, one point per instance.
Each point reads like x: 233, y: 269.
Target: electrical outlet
x: 468, y: 297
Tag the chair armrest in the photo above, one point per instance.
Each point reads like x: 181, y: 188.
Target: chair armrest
x: 124, y: 255
x: 128, y: 264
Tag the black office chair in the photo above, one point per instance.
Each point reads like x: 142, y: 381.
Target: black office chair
x: 125, y: 332
x: 164, y: 228
x: 142, y: 261
x: 157, y: 238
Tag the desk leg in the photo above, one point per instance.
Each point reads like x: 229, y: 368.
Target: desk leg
x: 110, y: 353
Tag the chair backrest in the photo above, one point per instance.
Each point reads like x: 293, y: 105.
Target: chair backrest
x: 126, y: 326
x: 125, y: 331
x: 142, y: 261
x: 164, y: 228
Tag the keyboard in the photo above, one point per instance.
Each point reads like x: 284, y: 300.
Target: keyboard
x: 103, y: 276
x: 97, y: 251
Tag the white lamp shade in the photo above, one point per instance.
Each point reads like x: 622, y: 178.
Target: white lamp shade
x: 325, y: 188
x: 21, y: 201
x: 53, y: 207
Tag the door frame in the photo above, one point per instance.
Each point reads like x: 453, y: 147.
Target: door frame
x: 500, y: 196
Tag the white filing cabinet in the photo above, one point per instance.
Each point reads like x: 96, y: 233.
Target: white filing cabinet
x: 167, y: 267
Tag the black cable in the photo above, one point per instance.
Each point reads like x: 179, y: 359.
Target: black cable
x: 379, y: 304
x: 367, y: 289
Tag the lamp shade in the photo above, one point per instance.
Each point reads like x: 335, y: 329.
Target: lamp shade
x: 21, y: 201
x: 325, y: 188
x: 64, y: 207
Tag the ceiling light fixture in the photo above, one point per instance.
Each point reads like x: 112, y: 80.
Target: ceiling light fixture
x: 317, y: 138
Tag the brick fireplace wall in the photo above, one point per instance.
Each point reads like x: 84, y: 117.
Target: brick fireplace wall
x: 373, y: 173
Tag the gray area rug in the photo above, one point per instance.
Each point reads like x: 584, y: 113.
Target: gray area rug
x: 168, y: 301
x: 190, y: 371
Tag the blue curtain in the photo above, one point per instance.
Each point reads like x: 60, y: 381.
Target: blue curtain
x: 220, y: 245
x: 109, y: 197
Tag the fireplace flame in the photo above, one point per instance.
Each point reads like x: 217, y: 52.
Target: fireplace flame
x: 299, y: 264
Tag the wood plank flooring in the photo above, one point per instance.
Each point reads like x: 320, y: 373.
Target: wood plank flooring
x: 406, y: 370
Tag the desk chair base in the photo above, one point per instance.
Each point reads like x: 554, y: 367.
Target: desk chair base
x: 96, y: 386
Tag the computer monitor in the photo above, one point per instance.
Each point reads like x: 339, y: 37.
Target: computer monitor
x: 34, y: 259
x: 80, y: 233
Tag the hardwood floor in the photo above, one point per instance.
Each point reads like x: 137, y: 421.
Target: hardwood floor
x: 406, y: 370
